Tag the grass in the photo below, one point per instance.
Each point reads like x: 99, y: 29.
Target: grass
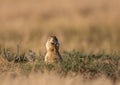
x: 75, y: 63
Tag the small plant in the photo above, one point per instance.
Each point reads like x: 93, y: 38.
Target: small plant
x: 7, y: 54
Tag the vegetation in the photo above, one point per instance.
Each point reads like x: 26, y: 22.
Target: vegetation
x: 75, y: 63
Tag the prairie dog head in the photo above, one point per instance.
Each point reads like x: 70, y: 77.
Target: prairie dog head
x: 52, y: 43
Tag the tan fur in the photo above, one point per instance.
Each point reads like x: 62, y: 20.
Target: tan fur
x: 52, y: 48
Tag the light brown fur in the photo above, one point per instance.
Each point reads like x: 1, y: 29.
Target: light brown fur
x: 52, y: 48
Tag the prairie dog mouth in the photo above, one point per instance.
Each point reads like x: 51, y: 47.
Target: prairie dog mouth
x: 52, y: 43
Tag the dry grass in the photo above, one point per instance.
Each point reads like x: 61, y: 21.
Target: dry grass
x: 76, y: 67
x: 52, y: 79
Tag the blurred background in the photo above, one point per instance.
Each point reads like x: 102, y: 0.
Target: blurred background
x: 83, y: 25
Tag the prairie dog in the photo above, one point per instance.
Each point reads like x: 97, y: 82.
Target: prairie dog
x: 52, y: 48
